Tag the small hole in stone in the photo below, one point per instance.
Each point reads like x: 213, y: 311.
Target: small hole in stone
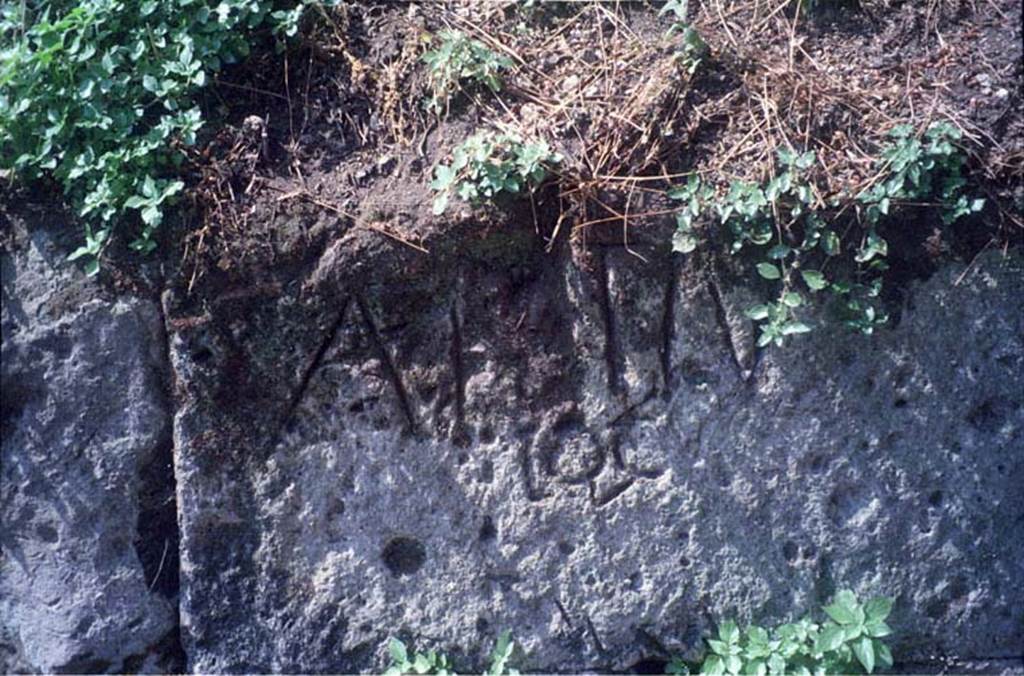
x: 482, y: 625
x: 487, y: 471
x: 790, y: 550
x: 357, y: 406
x: 1001, y: 469
x: 487, y: 530
x: 900, y: 403
x: 935, y: 499
x: 202, y: 355
x: 565, y: 547
x: 936, y: 608
x: 684, y: 561
x: 486, y: 434
x: 809, y: 551
x: 47, y: 533
x: 463, y: 458
x: 403, y: 556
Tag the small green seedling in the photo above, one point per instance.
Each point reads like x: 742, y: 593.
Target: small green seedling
x: 91, y: 250
x: 432, y: 662
x: 488, y: 164
x: 693, y: 48
x: 501, y: 654
x: 460, y: 61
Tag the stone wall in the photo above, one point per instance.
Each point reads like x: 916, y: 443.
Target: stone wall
x: 584, y: 448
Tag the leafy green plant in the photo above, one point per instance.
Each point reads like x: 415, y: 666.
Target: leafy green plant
x: 749, y: 213
x: 101, y: 94
x: 488, y: 164
x: 501, y: 655
x: 460, y: 61
x: 920, y: 168
x: 693, y: 48
x: 786, y: 224
x: 432, y: 662
x: 847, y: 642
x: 91, y: 250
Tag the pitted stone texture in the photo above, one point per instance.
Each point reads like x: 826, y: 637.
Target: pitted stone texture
x: 83, y: 416
x: 582, y: 458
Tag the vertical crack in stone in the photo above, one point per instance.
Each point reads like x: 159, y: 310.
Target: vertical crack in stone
x: 458, y: 374
x: 389, y: 364
x: 721, y: 314
x: 311, y: 367
x: 157, y: 535
x: 610, y: 345
x: 668, y: 328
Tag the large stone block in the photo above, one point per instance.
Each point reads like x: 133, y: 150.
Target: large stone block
x: 89, y: 561
x: 593, y: 455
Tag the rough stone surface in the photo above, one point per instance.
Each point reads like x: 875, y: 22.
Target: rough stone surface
x: 587, y: 450
x: 85, y: 473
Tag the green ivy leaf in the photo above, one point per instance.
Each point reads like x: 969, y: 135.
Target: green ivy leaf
x: 440, y: 204
x: 714, y: 666
x: 878, y: 608
x: 398, y: 651
x: 792, y: 299
x: 883, y: 654
x: 758, y: 312
x: 683, y: 241
x: 815, y: 280
x: 729, y: 632
x: 865, y: 652
x: 791, y: 328
x: 843, y: 608
x: 421, y: 665
x: 768, y: 271
x: 830, y: 243
x: 830, y: 638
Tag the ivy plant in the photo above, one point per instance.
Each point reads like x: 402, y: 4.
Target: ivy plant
x: 785, y: 225
x: 921, y: 168
x: 692, y: 47
x: 848, y: 641
x: 101, y: 95
x: 489, y: 164
x: 460, y: 61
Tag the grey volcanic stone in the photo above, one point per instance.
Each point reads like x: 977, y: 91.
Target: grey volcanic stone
x: 588, y: 450
x: 84, y: 418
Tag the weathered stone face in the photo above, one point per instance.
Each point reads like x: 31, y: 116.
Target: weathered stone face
x: 89, y: 576
x: 594, y: 456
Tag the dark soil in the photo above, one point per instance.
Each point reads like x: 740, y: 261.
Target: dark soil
x: 327, y: 148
